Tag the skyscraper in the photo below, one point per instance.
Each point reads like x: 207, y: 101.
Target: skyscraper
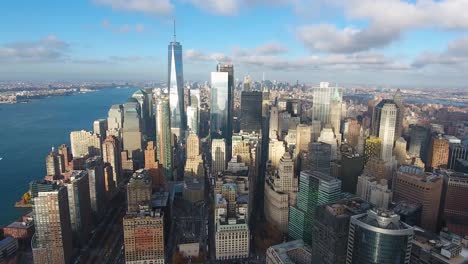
x: 111, y: 153
x: 379, y: 236
x: 456, y: 207
x: 138, y: 191
x: 193, y: 118
x: 143, y: 99
x: 319, y: 157
x: 152, y: 165
x: 100, y: 128
x: 84, y: 143
x: 52, y: 241
x: 97, y: 188
x: 251, y: 111
x: 218, y: 153
x: 144, y: 237
x: 164, y: 136
x: 175, y: 83
x: 438, y: 152
x: 224, y: 96
x: 322, y: 97
x: 274, y: 123
x: 418, y: 137
x: 303, y: 138
x: 80, y: 206
x: 384, y: 124
x: 400, y: 103
x: 315, y: 188
x: 132, y: 136
x: 115, y: 121
x: 280, y: 192
x: 413, y: 185
x: 54, y: 164
x: 332, y: 226
x: 335, y: 111
x: 219, y: 121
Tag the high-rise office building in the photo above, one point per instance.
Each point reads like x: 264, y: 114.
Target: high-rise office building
x: 218, y: 154
x: 303, y: 138
x: 353, y: 132
x: 280, y: 192
x: 55, y: 164
x: 379, y: 236
x: 276, y: 150
x: 194, y: 162
x: 400, y: 152
x: 193, y: 118
x: 274, y: 123
x: 400, y: 103
x: 80, y: 206
x: 457, y: 151
x: 84, y: 143
x: 139, y: 190
x: 220, y: 105
x: 322, y: 97
x: 372, y: 148
x: 418, y: 138
x: 111, y: 153
x: 335, y: 111
x: 52, y: 241
x: 251, y: 111
x: 142, y: 98
x: 332, y: 226
x: 100, y: 128
x: 315, y: 188
x: 412, y: 184
x: 132, y: 129
x: 455, y: 205
x: 374, y: 191
x: 164, y: 136
x: 97, y: 188
x: 64, y: 151
x: 352, y: 165
x: 289, y: 252
x: 144, y: 236
x: 384, y: 124
x: 115, y: 121
x: 327, y: 136
x: 152, y: 165
x: 319, y: 157
x: 438, y: 155
x: 175, y: 82
x: 232, y: 234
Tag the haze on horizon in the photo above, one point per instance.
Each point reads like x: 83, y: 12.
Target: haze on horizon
x: 419, y: 43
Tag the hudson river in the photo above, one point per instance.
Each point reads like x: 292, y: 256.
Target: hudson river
x: 29, y: 130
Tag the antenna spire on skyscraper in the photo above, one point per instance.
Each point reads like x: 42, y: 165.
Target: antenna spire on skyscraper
x: 174, y: 31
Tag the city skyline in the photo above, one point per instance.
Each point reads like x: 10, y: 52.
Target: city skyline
x: 114, y: 39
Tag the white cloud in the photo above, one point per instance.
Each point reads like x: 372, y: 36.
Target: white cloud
x: 218, y: 7
x: 388, y: 20
x: 270, y: 48
x: 125, y: 28
x: 151, y: 7
x: 455, y: 55
x: 49, y: 48
x: 197, y: 56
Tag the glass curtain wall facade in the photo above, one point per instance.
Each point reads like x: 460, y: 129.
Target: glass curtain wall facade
x: 176, y: 87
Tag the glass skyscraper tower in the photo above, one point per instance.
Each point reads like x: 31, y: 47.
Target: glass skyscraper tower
x: 163, y: 136
x: 175, y: 82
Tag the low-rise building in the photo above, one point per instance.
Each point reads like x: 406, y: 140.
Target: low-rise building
x: 290, y: 252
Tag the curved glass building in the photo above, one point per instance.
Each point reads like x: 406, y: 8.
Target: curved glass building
x: 379, y: 237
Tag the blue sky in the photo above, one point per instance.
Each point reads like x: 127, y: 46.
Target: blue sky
x: 386, y: 42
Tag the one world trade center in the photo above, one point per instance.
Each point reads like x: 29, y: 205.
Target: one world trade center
x: 176, y: 87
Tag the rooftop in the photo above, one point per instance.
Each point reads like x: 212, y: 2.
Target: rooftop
x: 20, y: 225
x: 282, y: 250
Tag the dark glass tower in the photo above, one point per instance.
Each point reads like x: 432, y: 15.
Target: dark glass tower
x: 251, y: 111
x: 175, y: 82
x: 222, y: 89
x: 379, y: 237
